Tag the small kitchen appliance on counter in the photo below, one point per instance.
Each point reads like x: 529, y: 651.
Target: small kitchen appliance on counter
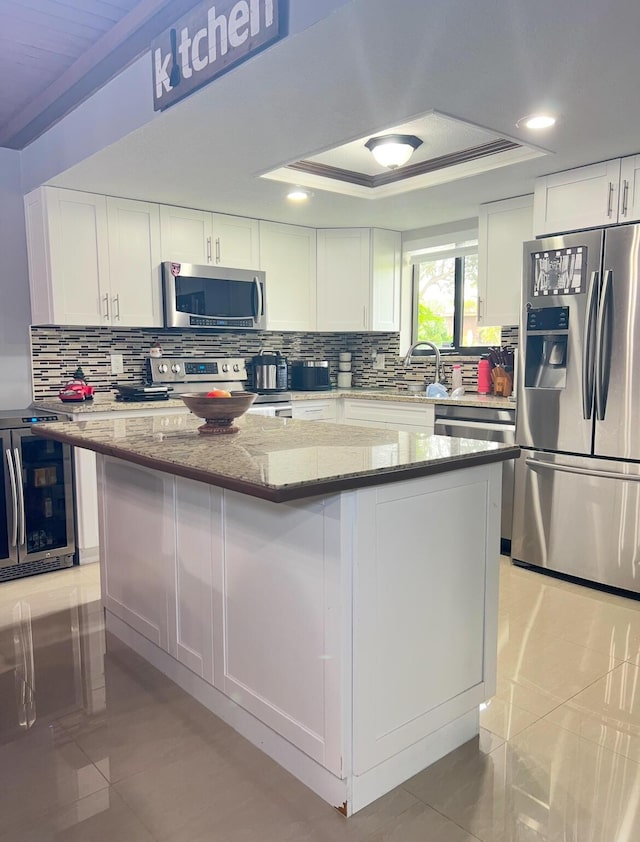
x: 310, y: 375
x: 269, y: 372
x: 37, y: 532
x: 202, y: 374
x: 130, y: 392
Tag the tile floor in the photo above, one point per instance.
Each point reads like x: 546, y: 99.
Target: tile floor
x: 97, y: 745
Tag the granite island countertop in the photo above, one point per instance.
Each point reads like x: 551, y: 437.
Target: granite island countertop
x: 276, y: 459
x: 106, y: 402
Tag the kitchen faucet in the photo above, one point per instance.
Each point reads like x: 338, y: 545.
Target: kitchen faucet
x: 436, y: 351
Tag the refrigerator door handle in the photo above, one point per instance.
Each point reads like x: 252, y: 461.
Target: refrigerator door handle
x: 14, y: 497
x: 588, y: 347
x: 570, y: 469
x: 603, y: 346
x: 20, y: 485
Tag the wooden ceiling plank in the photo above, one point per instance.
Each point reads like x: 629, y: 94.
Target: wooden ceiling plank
x: 126, y: 41
x: 38, y: 22
x: 110, y: 11
x: 47, y: 9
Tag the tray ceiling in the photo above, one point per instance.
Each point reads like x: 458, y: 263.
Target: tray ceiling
x: 451, y: 149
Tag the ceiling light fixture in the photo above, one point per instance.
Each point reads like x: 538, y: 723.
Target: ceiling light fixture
x: 298, y: 195
x: 536, y: 121
x: 393, y: 150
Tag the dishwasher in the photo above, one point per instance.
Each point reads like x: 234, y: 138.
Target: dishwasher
x: 490, y: 424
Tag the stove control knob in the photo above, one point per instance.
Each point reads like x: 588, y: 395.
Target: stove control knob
x: 162, y: 368
x: 225, y: 367
x: 236, y: 367
x: 176, y: 368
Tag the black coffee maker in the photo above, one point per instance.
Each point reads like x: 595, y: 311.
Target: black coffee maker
x: 269, y: 372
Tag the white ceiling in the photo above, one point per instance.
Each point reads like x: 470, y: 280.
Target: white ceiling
x: 378, y: 63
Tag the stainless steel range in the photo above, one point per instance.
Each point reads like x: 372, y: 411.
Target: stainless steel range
x: 193, y: 374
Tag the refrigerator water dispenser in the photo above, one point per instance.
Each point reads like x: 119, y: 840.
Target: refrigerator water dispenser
x: 546, y: 348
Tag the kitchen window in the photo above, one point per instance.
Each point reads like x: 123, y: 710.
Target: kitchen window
x: 445, y: 299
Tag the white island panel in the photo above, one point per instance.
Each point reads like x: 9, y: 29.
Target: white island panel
x: 139, y: 507
x: 419, y: 622
x: 281, y: 609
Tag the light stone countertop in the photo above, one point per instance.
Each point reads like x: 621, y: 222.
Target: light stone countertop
x: 273, y: 458
x: 106, y: 402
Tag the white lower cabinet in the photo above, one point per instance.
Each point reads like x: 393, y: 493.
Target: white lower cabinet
x: 315, y: 410
x: 388, y: 415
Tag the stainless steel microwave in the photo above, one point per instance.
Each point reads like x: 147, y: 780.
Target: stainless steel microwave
x: 213, y: 297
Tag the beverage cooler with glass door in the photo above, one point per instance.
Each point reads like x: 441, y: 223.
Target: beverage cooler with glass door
x: 37, y: 532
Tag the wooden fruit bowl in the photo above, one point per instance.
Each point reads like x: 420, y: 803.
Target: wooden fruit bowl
x: 219, y: 413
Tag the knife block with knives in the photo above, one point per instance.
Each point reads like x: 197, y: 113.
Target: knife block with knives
x: 501, y: 360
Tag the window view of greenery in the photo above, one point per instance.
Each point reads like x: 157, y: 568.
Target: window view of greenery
x: 443, y: 284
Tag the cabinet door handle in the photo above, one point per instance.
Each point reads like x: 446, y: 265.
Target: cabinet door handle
x: 625, y: 197
x: 364, y: 317
x: 217, y: 249
x: 106, y: 306
x: 610, y: 200
x: 116, y: 307
x: 208, y: 249
x: 480, y: 314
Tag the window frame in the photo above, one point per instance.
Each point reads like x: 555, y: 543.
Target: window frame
x: 459, y: 256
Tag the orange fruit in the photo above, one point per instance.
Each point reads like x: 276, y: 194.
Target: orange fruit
x: 218, y: 393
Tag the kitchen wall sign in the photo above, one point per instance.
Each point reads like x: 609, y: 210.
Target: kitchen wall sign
x: 211, y: 39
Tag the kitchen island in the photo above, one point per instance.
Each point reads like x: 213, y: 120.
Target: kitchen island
x: 331, y: 592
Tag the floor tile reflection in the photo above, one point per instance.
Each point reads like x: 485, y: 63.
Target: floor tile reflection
x: 97, y: 745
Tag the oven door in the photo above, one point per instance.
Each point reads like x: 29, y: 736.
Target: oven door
x: 213, y: 297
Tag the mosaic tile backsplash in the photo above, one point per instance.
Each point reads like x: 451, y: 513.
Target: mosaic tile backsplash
x: 57, y: 352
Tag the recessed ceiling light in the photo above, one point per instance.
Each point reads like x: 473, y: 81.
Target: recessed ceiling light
x: 298, y: 195
x: 536, y: 121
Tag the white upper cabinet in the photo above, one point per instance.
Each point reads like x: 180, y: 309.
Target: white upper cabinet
x: 201, y: 237
x: 629, y: 204
x: 358, y: 279
x: 502, y: 229
x: 236, y: 241
x: 386, y: 258
x: 68, y: 257
x: 92, y: 260
x: 288, y: 257
x: 134, y: 263
x: 185, y: 235
x: 587, y: 197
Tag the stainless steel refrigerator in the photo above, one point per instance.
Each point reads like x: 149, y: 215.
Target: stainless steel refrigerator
x: 577, y: 488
